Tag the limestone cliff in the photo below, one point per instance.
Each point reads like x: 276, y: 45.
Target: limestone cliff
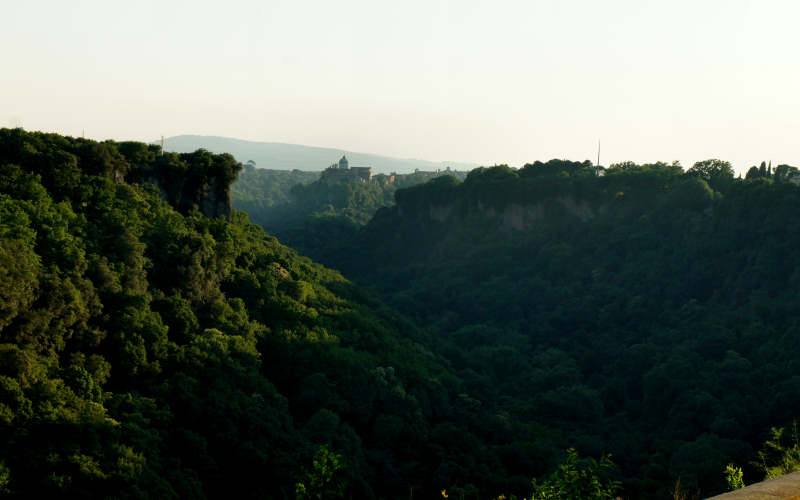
x: 198, y: 181
x: 520, y: 216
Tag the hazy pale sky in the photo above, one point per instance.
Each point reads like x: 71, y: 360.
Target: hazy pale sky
x: 489, y: 82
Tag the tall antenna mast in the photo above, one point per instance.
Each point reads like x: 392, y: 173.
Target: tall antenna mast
x: 597, y: 165
x: 598, y: 153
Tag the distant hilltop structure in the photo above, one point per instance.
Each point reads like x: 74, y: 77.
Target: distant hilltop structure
x: 343, y: 172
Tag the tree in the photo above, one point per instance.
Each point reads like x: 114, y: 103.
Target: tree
x: 712, y: 169
x: 779, y: 455
x: 753, y: 173
x: 578, y: 479
x: 718, y: 173
x: 733, y: 476
x: 324, y: 480
x: 785, y: 172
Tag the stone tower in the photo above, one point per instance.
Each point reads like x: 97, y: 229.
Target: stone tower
x: 343, y: 163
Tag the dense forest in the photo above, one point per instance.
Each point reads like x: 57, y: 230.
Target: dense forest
x: 149, y: 351
x: 543, y: 330
x: 648, y: 312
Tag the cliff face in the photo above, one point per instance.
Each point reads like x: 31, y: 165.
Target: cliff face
x: 519, y: 216
x: 523, y: 216
x: 443, y: 217
x: 500, y: 199
x: 212, y: 200
x: 217, y: 201
x: 198, y: 181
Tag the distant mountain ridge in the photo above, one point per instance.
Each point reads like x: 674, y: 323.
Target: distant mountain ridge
x: 282, y: 156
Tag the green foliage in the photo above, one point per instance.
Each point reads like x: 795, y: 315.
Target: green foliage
x: 785, y: 172
x: 258, y: 189
x: 19, y: 264
x: 710, y: 169
x: 323, y: 480
x: 557, y: 168
x: 733, y: 476
x: 491, y: 174
x: 578, y: 479
x: 780, y: 453
x: 5, y: 479
x: 149, y: 351
x: 637, y: 312
x: 717, y: 173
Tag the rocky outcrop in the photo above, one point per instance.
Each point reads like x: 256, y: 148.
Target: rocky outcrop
x: 217, y: 201
x: 198, y: 181
x: 517, y: 216
x: 212, y: 200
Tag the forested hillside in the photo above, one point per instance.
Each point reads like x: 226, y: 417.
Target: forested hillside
x: 149, y: 352
x: 649, y: 312
x: 156, y: 344
x: 311, y: 215
x: 257, y: 190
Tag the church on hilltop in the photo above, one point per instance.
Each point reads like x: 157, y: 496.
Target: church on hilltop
x: 343, y: 172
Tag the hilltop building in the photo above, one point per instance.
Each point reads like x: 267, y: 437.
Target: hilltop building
x: 343, y: 172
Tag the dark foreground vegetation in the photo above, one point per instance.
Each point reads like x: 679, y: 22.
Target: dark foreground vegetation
x: 548, y: 315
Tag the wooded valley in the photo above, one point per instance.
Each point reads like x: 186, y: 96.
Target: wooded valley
x: 542, y: 331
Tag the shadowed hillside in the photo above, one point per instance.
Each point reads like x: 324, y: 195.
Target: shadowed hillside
x: 647, y: 312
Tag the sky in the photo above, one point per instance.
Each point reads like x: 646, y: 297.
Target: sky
x: 487, y: 82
